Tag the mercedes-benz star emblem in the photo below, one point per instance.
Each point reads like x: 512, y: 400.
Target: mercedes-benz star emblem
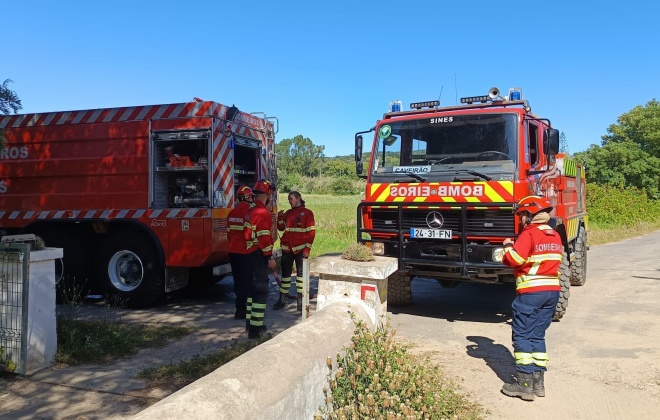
x: 434, y: 220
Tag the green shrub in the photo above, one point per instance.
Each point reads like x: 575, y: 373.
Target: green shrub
x: 609, y: 206
x: 377, y: 378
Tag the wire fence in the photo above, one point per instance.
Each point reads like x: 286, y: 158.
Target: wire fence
x: 14, y: 261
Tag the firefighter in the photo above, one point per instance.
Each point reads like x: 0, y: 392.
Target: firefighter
x: 259, y: 224
x: 296, y: 243
x: 238, y: 249
x: 536, y: 256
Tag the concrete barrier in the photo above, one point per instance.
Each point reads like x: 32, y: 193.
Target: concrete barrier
x: 281, y: 379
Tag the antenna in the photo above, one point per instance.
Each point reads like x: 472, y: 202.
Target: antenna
x: 440, y: 96
x: 455, y: 89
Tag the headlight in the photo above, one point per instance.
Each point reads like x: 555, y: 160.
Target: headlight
x: 498, y: 254
x: 378, y: 248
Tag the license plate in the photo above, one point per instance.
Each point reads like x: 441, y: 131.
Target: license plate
x: 430, y: 233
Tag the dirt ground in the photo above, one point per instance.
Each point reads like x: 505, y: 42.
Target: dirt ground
x: 604, y: 353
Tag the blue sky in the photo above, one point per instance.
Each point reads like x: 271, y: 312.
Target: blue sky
x: 329, y: 69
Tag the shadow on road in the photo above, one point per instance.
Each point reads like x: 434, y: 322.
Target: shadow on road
x: 465, y: 302
x: 497, y: 356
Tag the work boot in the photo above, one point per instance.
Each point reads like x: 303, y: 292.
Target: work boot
x: 299, y: 303
x: 539, y: 388
x: 258, y: 332
x: 523, y: 387
x: 282, y: 302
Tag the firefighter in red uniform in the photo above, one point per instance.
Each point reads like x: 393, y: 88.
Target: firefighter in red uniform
x: 296, y: 243
x: 536, y: 256
x: 259, y: 224
x: 238, y: 249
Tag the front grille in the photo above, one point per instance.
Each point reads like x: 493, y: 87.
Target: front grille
x: 478, y: 223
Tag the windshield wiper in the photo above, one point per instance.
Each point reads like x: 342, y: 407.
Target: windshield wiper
x: 412, y: 175
x: 475, y: 173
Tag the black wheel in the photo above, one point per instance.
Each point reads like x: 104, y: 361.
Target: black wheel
x: 399, y: 291
x: 73, y: 280
x: 579, y: 264
x: 565, y: 283
x: 494, y: 153
x: 128, y: 267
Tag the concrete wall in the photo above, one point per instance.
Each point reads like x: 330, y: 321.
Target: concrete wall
x: 281, y: 379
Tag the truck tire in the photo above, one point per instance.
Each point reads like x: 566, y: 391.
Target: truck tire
x: 73, y: 279
x: 128, y: 267
x: 579, y: 265
x: 399, y: 291
x: 565, y: 283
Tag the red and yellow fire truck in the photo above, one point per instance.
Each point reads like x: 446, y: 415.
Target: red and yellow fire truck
x: 443, y: 182
x: 136, y: 196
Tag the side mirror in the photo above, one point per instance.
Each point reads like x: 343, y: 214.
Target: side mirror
x: 358, y: 148
x: 551, y: 141
x: 358, y: 154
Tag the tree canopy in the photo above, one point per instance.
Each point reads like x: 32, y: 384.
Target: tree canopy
x: 9, y: 101
x: 299, y: 155
x: 640, y: 125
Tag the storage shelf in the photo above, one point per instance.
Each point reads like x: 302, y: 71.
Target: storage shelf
x: 181, y: 168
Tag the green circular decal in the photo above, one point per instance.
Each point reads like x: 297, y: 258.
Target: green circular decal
x: 385, y: 131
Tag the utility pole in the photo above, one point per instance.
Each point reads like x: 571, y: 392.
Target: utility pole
x: 563, y: 144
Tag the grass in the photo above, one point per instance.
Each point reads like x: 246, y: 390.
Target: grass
x: 604, y: 234
x: 178, y: 375
x: 335, y: 219
x: 101, y: 341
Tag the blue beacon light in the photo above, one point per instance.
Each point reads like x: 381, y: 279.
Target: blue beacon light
x: 395, y: 106
x: 515, y: 94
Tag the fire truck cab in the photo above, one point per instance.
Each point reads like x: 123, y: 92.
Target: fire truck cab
x: 443, y: 182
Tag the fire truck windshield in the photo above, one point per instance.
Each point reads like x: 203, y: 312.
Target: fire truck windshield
x: 482, y: 142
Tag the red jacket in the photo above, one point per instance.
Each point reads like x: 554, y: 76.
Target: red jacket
x: 236, y: 228
x: 536, y: 256
x: 299, y: 230
x: 258, y: 226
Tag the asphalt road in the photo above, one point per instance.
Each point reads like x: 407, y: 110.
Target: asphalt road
x: 604, y: 353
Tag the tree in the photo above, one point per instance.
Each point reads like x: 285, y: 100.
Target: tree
x: 622, y: 164
x: 299, y: 155
x: 640, y: 125
x: 8, y: 101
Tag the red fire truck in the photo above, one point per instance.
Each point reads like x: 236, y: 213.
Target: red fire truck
x: 136, y: 196
x: 443, y: 182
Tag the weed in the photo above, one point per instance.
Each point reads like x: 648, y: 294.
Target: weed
x: 377, y: 378
x: 358, y: 252
x: 178, y: 375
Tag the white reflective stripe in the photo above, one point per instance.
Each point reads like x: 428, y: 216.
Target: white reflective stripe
x: 90, y: 214
x: 75, y: 214
x: 516, y: 257
x: 63, y: 118
x: 95, y: 115
x: 160, y: 111
x: 544, y: 257
x: 14, y: 214
x: 2, y: 213
x: 127, y: 113
x: 43, y: 214
x: 534, y: 269
x: 78, y: 117
x: 58, y: 214
x: 121, y: 214
x: 49, y: 118
x: 172, y: 213
x: 138, y: 214
x: 144, y: 112
x: 190, y: 213
x: 106, y: 214
x: 33, y: 120
x: 18, y: 121
x: 177, y: 112
x: 28, y: 215
x: 155, y: 214
x: 522, y: 283
x: 110, y: 115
